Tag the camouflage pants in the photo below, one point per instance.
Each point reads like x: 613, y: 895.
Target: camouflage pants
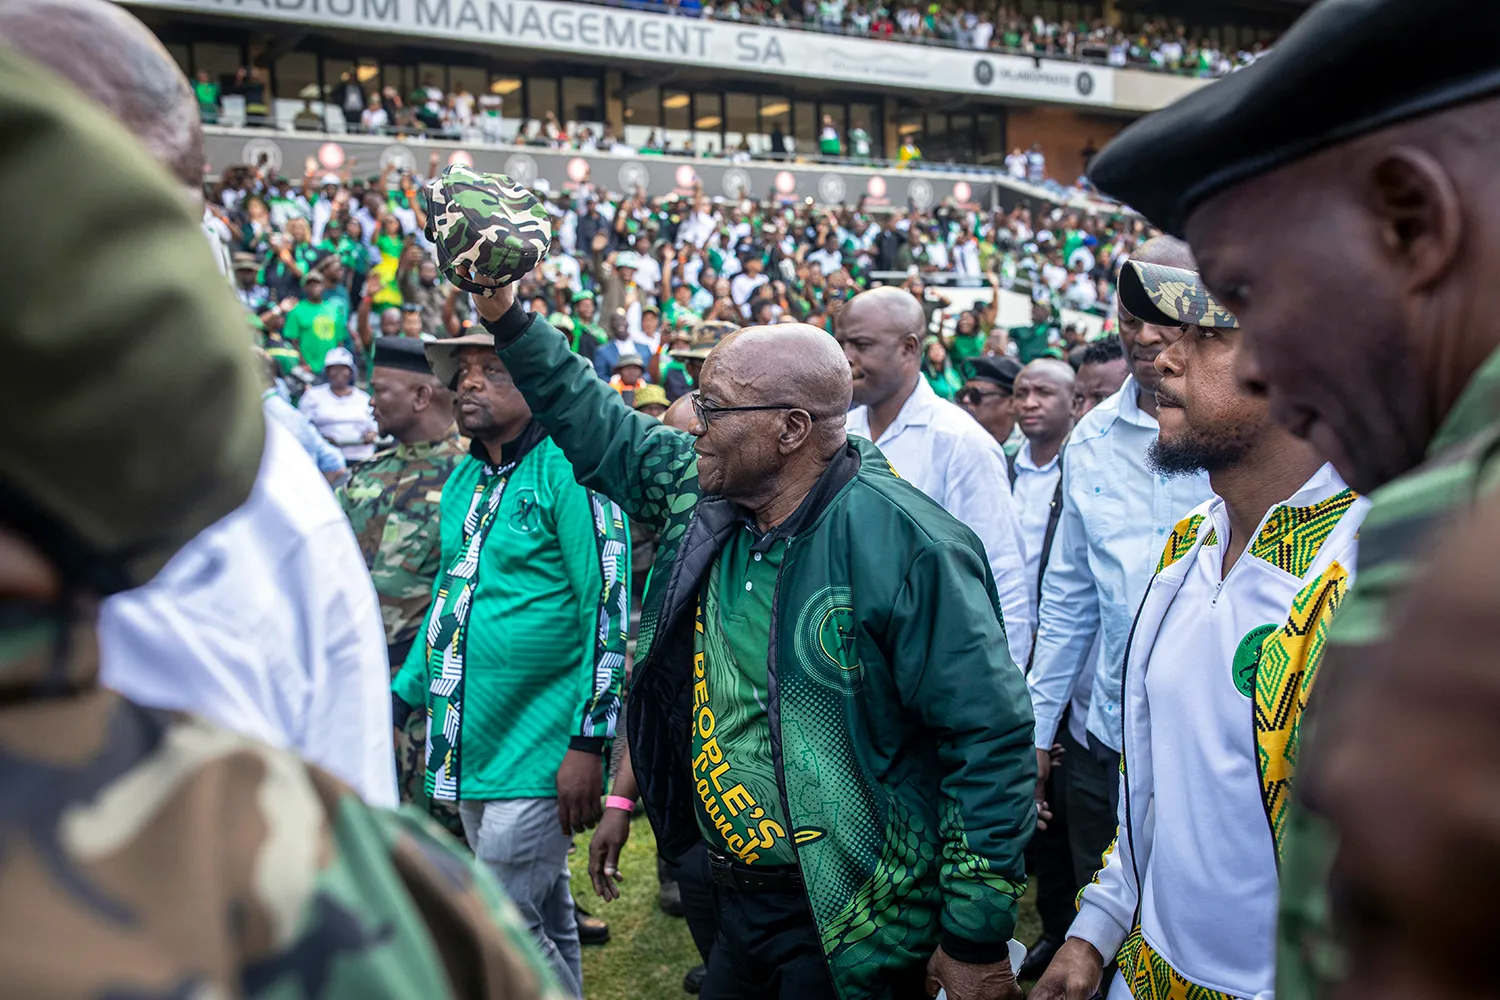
x: 411, y: 775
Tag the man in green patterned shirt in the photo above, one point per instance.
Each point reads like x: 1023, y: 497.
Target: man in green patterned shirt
x: 518, y: 671
x: 392, y: 502
x: 1385, y: 352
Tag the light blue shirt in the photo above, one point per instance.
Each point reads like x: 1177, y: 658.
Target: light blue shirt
x: 328, y: 458
x: 1116, y: 516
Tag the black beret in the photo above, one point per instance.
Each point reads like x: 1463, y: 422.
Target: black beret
x: 1347, y: 68
x: 1001, y: 371
x: 406, y: 353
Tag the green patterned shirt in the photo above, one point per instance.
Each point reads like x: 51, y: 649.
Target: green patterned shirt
x: 738, y: 799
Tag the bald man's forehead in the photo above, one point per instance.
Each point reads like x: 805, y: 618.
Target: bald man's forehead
x: 1047, y: 370
x: 1167, y: 250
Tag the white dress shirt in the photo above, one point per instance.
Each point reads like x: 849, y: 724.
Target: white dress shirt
x: 267, y: 623
x: 344, y: 420
x: 942, y: 451
x: 1115, y: 519
x: 1032, y: 493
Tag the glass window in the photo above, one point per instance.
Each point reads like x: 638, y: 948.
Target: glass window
x: 989, y: 138
x: 182, y: 57
x: 541, y: 96
x: 398, y: 78
x: 296, y: 76
x: 336, y: 72
x: 805, y: 127
x: 643, y: 107
x: 470, y: 78
x: 961, y: 138
x: 775, y: 111
x: 676, y: 109
x: 708, y: 112
x: 580, y: 99
x: 219, y: 60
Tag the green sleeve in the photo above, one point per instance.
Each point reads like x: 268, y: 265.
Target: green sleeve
x: 647, y: 468
x: 410, y: 684
x: 595, y: 540
x: 953, y: 669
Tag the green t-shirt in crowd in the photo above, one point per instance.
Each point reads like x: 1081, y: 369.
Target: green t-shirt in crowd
x: 968, y: 345
x: 207, y: 93
x: 1032, y: 341
x: 738, y: 800
x: 315, y: 328
x: 674, y: 314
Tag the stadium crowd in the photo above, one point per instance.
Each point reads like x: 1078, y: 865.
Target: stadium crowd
x: 331, y: 261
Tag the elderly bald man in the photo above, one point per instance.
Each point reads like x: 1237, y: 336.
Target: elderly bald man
x: 821, y: 689
x: 933, y: 444
x: 267, y: 622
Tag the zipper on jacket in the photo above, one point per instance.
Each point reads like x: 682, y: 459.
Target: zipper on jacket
x: 773, y: 699
x: 1124, y: 758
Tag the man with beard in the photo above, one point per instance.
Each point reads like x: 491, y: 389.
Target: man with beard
x: 1117, y: 513
x: 1217, y: 654
x: 392, y: 502
x: 519, y: 668
x: 1399, y: 381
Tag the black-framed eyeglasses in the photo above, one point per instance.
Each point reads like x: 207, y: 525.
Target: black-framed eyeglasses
x: 707, y: 411
x: 973, y: 397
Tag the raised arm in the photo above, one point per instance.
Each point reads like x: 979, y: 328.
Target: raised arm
x: 647, y: 468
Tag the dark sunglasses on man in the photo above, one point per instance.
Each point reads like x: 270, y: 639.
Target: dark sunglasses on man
x: 973, y: 397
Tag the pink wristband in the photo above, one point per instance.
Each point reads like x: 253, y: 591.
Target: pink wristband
x: 619, y: 802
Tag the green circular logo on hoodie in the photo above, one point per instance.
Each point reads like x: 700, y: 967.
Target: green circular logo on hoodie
x: 1247, y: 658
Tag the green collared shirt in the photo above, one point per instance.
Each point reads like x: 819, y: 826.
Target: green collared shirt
x: 736, y: 794
x: 1393, y: 540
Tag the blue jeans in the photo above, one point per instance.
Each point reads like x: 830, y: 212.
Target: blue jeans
x: 523, y: 846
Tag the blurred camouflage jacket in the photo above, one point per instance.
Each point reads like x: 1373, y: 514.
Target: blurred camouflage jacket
x: 392, y: 502
x: 151, y: 854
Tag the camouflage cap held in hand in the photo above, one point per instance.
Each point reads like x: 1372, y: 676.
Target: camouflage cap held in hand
x: 1170, y: 296
x: 488, y: 222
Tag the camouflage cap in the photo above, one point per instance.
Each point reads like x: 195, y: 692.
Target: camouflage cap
x: 488, y: 222
x: 132, y: 412
x: 713, y: 331
x: 1170, y: 296
x: 443, y: 354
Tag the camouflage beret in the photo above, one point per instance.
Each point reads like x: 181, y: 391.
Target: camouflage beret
x: 1170, y: 296
x: 489, y: 222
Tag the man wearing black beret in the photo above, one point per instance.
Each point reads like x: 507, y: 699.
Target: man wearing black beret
x: 392, y: 502
x: 1350, y: 175
x: 989, y: 396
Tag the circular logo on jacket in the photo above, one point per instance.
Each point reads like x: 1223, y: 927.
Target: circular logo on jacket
x: 526, y: 515
x: 1247, y: 658
x: 826, y: 640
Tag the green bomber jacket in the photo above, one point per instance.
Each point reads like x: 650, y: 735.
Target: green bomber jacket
x: 900, y: 728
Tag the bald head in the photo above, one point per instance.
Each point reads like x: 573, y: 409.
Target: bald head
x: 679, y: 415
x: 116, y: 60
x: 795, y: 363
x: 1044, y: 403
x: 773, y: 402
x: 1168, y: 250
x: 881, y: 332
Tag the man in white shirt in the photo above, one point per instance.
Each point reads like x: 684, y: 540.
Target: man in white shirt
x: 1043, y: 405
x: 931, y: 443
x: 1215, y: 677
x: 1015, y: 164
x: 1116, y: 515
x: 267, y: 622
x: 744, y: 284
x: 829, y: 257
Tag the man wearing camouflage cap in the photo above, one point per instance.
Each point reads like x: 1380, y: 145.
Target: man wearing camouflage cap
x: 150, y: 853
x: 392, y: 502
x: 1211, y: 677
x: 1398, y: 381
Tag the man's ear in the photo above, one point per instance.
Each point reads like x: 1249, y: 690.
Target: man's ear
x: 796, y: 428
x: 421, y: 397
x: 1418, y: 212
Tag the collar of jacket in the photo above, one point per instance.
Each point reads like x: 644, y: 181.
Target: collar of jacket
x: 513, y: 450
x: 716, y: 517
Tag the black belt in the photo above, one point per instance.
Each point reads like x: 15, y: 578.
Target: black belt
x: 726, y: 871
